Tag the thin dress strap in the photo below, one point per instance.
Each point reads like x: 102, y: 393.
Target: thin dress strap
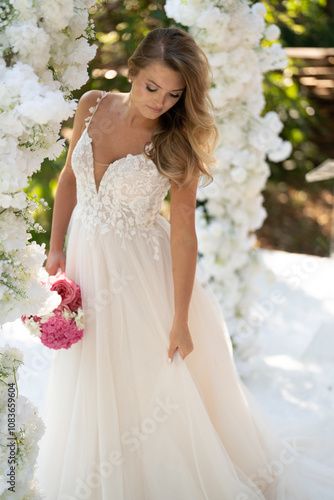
x: 93, y: 109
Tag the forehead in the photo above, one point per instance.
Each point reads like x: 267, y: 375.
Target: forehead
x: 163, y: 76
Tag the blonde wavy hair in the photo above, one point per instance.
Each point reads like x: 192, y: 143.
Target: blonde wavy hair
x: 186, y: 136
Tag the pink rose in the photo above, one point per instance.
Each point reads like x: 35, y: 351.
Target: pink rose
x: 65, y: 287
x: 76, y: 302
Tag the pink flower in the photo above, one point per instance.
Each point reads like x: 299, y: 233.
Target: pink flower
x: 76, y: 302
x: 59, y: 333
x: 64, y: 326
x: 66, y: 288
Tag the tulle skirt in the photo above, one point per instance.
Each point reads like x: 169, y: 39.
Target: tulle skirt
x: 124, y: 424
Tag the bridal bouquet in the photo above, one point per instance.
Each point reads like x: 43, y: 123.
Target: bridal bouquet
x: 64, y: 325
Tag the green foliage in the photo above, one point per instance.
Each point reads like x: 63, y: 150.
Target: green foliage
x: 301, y: 119
x: 43, y: 184
x: 303, y: 23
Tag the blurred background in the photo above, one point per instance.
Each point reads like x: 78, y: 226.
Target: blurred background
x: 299, y: 213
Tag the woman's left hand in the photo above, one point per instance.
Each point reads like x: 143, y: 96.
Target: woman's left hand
x: 180, y: 339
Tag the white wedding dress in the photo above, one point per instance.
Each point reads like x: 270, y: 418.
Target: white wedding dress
x: 121, y: 422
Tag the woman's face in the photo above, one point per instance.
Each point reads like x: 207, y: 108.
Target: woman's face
x: 155, y: 89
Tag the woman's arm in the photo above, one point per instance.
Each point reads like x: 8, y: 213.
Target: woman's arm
x: 184, y: 260
x: 65, y: 199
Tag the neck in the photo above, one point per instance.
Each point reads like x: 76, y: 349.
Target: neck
x: 134, y: 118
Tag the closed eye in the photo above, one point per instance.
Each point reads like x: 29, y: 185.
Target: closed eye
x: 151, y: 90
x: 175, y: 96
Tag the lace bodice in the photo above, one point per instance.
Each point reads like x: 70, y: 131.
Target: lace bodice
x: 129, y: 197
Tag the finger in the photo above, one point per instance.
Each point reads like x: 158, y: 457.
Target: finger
x: 171, y: 353
x: 50, y: 270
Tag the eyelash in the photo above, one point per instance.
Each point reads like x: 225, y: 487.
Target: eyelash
x: 176, y: 96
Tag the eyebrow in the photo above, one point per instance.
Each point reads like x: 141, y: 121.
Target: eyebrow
x: 175, y: 90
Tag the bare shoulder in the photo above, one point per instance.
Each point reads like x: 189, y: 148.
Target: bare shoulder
x: 87, y: 100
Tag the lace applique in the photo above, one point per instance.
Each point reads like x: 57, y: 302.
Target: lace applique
x: 129, y: 197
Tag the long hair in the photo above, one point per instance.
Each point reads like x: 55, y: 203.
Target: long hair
x: 186, y: 135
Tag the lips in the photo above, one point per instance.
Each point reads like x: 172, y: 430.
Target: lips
x: 155, y: 110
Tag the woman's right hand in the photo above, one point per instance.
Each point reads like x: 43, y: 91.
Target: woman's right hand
x: 56, y: 260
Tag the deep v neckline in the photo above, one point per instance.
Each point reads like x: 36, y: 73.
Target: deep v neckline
x: 129, y: 155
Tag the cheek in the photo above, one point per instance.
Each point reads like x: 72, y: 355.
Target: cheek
x: 143, y: 94
x: 139, y: 92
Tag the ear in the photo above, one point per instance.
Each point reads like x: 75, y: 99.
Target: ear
x: 131, y: 71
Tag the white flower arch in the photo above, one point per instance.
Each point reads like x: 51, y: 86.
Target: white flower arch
x: 43, y: 56
x: 44, y: 53
x: 238, y: 43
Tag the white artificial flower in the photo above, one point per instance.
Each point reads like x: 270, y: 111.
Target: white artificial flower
x: 75, y: 77
x: 273, y: 122
x: 183, y: 12
x: 85, y: 3
x: 282, y: 152
x: 218, y: 96
x: 15, y: 353
x: 257, y: 217
x: 255, y: 103
x: 232, y: 135
x: 25, y: 9
x: 46, y: 107
x: 26, y: 40
x: 5, y: 200
x: 56, y: 149
x: 79, y: 319
x: 77, y: 52
x: 78, y: 23
x: 272, y: 32
x: 208, y: 19
x: 19, y: 200
x: 47, y: 79
x: 56, y: 13
x: 33, y: 327
x: 239, y: 174
x: 259, y: 9
x: 10, y: 123
x: 246, y: 159
x: 218, y: 59
x: 254, y: 186
x: 273, y: 57
x: 12, y: 231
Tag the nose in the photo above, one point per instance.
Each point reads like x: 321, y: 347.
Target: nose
x: 159, y: 101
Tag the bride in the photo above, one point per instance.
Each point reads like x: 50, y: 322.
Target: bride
x: 149, y: 405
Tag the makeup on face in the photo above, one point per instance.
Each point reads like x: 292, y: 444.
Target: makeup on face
x: 157, y: 88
